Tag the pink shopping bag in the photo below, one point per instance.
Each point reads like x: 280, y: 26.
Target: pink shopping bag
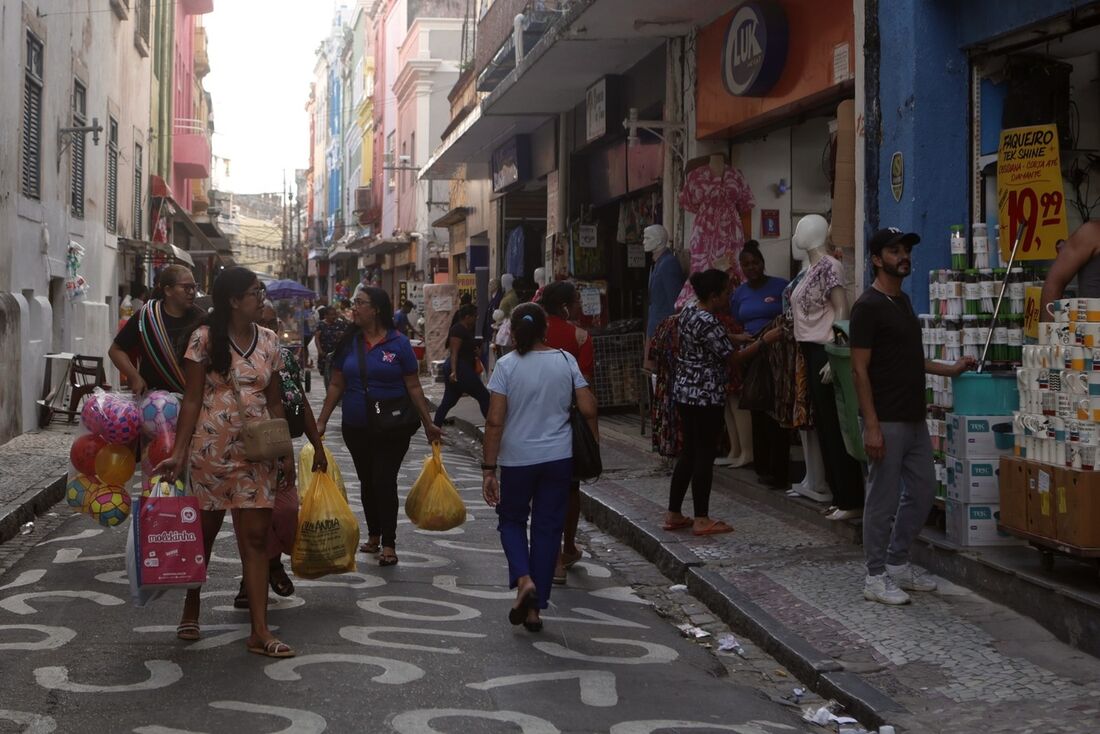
x: 168, y: 546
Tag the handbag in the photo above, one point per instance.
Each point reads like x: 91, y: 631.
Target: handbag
x: 758, y: 386
x: 587, y: 463
x: 264, y: 440
x: 392, y: 416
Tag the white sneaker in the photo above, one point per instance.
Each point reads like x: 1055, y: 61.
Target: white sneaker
x: 839, y: 514
x: 909, y: 578
x: 881, y: 588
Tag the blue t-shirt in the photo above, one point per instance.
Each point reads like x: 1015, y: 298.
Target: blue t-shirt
x: 401, y: 322
x: 387, y: 364
x: 539, y: 388
x: 755, y: 308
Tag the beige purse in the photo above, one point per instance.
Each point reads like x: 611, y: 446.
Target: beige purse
x: 265, y: 440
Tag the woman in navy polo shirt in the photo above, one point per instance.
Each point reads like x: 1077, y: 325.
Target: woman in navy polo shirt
x: 391, y: 372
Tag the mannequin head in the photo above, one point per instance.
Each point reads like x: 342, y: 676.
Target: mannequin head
x: 506, y: 281
x: 811, y: 233
x: 655, y: 238
x: 540, y: 277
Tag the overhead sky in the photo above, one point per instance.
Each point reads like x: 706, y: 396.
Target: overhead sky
x: 261, y: 65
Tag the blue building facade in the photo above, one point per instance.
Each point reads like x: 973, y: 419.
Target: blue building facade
x: 920, y: 103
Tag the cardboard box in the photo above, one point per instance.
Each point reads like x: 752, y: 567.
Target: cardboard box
x: 1042, y: 482
x: 1013, y: 492
x: 973, y: 481
x: 1076, y: 506
x: 974, y: 436
x: 975, y: 525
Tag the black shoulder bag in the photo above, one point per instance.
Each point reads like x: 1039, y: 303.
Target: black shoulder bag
x: 391, y: 417
x: 587, y: 463
x: 758, y: 385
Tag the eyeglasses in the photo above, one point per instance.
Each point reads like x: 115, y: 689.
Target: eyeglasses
x: 257, y: 292
x: 189, y: 287
x: 360, y: 303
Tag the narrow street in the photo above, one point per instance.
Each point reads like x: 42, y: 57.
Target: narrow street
x: 421, y: 647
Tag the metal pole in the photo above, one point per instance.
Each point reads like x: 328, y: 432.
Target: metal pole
x: 1000, y: 297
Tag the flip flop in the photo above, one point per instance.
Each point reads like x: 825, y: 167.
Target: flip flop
x: 387, y: 560
x: 370, y: 548
x: 678, y: 524
x: 279, y: 581
x: 273, y: 649
x: 717, y: 527
x: 189, y: 631
x: 569, y: 560
x: 518, y: 615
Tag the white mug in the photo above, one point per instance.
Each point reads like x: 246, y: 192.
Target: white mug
x: 1047, y: 331
x: 1088, y: 333
x: 1094, y: 383
x: 1086, y: 432
x: 1061, y: 309
x: 1094, y: 407
x: 1031, y: 356
x: 1059, y: 454
x: 1090, y: 307
x: 1073, y: 456
x: 1074, y: 357
x: 1056, y: 429
x: 1075, y: 382
x: 1088, y: 456
x: 1073, y: 431
x: 1054, y: 380
x: 1048, y: 402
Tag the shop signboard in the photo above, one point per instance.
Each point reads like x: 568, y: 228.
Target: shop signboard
x: 1029, y: 191
x: 467, y: 285
x: 511, y: 164
x: 897, y: 175
x: 635, y: 255
x: 595, y: 105
x: 415, y: 293
x: 587, y: 239
x: 552, y: 202
x: 590, y: 301
x: 755, y: 50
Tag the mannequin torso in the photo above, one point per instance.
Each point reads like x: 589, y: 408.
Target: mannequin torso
x: 820, y: 298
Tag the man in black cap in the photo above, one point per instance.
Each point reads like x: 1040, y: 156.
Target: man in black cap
x: 888, y: 367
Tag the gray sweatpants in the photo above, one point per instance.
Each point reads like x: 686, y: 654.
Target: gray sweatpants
x: 900, y: 486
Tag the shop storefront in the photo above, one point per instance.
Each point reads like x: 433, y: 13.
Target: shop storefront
x: 781, y: 119
x: 520, y: 168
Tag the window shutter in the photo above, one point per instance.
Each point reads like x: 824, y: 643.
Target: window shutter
x: 79, y: 149
x: 139, y: 208
x: 112, y: 176
x: 32, y: 139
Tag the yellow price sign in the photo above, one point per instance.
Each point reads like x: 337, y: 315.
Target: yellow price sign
x: 1029, y: 190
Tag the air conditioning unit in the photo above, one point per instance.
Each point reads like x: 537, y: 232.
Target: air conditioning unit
x: 362, y: 199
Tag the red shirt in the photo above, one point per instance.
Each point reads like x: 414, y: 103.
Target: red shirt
x: 560, y: 334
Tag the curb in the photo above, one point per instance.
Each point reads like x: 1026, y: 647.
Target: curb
x: 681, y: 565
x: 34, y: 501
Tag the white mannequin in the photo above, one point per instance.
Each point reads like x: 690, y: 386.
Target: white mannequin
x: 540, y: 277
x: 813, y: 485
x: 506, y: 281
x: 811, y: 236
x: 655, y: 240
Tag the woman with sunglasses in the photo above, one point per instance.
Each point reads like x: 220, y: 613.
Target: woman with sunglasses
x: 232, y: 369
x: 155, y: 334
x: 374, y: 361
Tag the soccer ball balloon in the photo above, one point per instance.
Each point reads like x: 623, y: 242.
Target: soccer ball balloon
x: 84, y: 451
x: 123, y: 421
x: 80, y: 491
x: 160, y: 410
x: 111, y: 506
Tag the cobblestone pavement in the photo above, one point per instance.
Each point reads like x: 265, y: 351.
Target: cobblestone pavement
x: 958, y: 662
x: 428, y: 636
x: 32, y: 457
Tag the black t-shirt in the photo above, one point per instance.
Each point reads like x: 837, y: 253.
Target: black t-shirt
x: 467, y: 352
x: 129, y: 339
x: 888, y: 327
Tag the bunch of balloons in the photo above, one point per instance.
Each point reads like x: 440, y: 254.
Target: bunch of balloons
x: 104, y: 458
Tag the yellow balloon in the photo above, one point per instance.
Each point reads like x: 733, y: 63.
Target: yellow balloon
x: 114, y: 465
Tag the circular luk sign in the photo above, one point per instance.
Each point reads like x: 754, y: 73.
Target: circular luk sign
x: 755, y: 50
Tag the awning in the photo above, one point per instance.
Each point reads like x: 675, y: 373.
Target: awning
x: 595, y: 39
x: 454, y: 216
x: 318, y: 253
x: 387, y: 246
x: 161, y: 190
x: 169, y: 250
x: 467, y: 152
x: 341, y: 251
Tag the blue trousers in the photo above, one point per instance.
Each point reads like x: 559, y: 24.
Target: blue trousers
x: 541, y: 491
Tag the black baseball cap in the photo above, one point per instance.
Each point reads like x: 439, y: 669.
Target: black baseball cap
x: 891, y: 236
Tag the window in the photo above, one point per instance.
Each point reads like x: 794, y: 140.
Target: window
x: 139, y: 208
x: 80, y: 119
x: 32, y: 119
x: 112, y: 175
x: 390, y: 159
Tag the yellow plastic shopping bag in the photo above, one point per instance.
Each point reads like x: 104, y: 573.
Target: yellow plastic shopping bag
x: 328, y: 533
x: 305, y: 469
x: 433, y: 502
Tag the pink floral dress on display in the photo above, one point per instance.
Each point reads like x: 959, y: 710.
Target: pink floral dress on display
x: 717, y: 235
x: 221, y: 477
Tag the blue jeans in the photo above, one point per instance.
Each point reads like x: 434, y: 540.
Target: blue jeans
x: 541, y: 490
x: 469, y: 383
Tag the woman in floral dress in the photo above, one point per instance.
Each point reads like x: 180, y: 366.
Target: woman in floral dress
x: 229, y: 348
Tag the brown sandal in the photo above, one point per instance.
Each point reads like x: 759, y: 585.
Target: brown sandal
x: 189, y: 631
x: 273, y: 649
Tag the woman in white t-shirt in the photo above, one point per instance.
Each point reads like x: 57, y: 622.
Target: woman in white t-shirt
x: 527, y: 433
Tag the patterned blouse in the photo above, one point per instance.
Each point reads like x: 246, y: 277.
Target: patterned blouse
x: 290, y: 378
x: 702, y: 372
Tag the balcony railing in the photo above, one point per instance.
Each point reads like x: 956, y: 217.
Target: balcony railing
x: 202, y: 59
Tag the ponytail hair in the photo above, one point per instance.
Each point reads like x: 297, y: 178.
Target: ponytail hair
x: 231, y: 283
x: 528, y: 326
x: 167, y: 278
x: 709, y: 283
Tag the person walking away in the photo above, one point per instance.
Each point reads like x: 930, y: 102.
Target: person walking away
x: 699, y: 392
x: 560, y: 300
x: 401, y: 320
x: 231, y: 368
x: 756, y: 304
x: 157, y: 333
x: 375, y: 362
x: 308, y: 318
x: 888, y: 367
x: 329, y: 333
x: 528, y: 437
x: 462, y: 366
x: 284, y: 513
